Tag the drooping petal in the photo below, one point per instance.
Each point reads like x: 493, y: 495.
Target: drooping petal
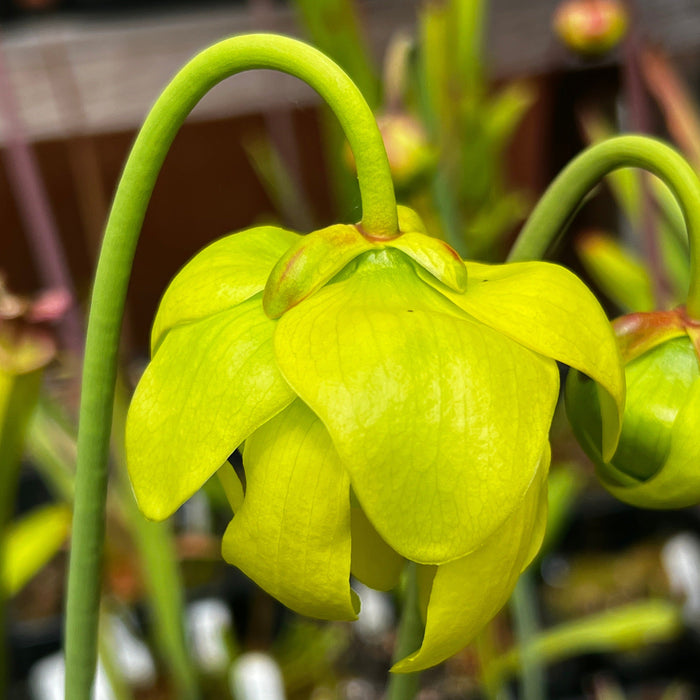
x: 548, y: 309
x: 292, y: 533
x: 374, y: 562
x: 467, y: 593
x: 539, y: 528
x: 439, y: 419
x: 210, y: 385
x: 224, y: 274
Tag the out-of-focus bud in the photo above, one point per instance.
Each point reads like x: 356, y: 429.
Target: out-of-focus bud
x: 590, y: 27
x: 407, y: 146
x: 656, y: 462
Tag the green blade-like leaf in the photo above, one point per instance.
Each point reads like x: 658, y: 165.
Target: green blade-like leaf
x: 334, y: 27
x: 505, y: 111
x: 210, y: 385
x: 549, y: 310
x: 627, y: 627
x: 30, y: 543
x: 618, y: 273
x: 224, y: 274
x: 439, y: 419
x: 468, y: 592
x: 292, y: 533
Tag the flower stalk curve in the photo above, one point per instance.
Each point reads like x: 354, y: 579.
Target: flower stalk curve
x: 114, y: 267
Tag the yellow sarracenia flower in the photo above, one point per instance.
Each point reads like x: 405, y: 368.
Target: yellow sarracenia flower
x: 392, y: 403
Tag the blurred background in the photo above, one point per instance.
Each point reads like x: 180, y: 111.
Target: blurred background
x: 480, y: 103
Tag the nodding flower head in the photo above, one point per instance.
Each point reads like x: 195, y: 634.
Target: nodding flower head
x: 392, y: 403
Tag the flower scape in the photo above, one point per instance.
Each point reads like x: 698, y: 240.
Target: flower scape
x: 392, y: 403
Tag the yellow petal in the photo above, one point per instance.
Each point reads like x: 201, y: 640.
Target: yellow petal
x: 467, y: 593
x: 292, y: 533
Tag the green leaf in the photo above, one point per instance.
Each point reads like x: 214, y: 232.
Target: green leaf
x: 19, y: 394
x: 334, y: 27
x: 210, y: 385
x: 292, y: 533
x: 505, y: 111
x: 625, y: 628
x: 620, y: 275
x: 30, y: 543
x: 468, y: 592
x: 439, y: 419
x: 548, y: 309
x: 224, y: 274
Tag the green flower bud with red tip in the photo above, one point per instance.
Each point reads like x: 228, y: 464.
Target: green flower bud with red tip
x: 590, y: 27
x: 656, y: 462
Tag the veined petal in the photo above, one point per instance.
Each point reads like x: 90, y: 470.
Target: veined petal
x: 210, y: 385
x: 548, y: 309
x: 374, y: 562
x: 292, y: 533
x: 439, y: 420
x: 224, y: 274
x: 467, y: 593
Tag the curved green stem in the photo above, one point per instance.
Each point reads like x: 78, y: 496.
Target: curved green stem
x: 114, y: 267
x: 557, y: 206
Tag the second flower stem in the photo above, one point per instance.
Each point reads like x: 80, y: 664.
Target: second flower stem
x: 561, y: 200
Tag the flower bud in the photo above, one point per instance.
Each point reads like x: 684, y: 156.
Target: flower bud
x: 590, y: 27
x: 655, y: 465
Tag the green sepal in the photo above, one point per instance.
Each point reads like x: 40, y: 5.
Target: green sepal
x: 655, y: 465
x: 424, y: 404
x: 308, y: 265
x: 467, y: 593
x: 435, y: 256
x: 549, y: 310
x: 222, y: 275
x: 211, y: 384
x: 677, y: 483
x: 640, y: 332
x: 292, y: 533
